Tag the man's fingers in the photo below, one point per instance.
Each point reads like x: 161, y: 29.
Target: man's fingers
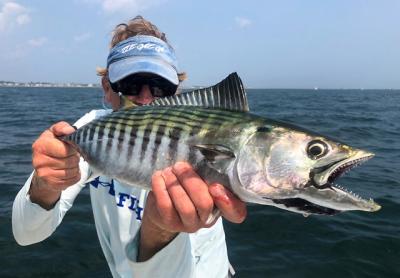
x: 232, y: 209
x: 49, y: 145
x: 40, y: 160
x: 58, y: 179
x: 165, y: 206
x: 61, y: 128
x: 196, y: 189
x: 183, y: 204
x: 64, y: 174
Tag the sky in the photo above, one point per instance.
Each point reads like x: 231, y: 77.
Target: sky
x: 271, y: 44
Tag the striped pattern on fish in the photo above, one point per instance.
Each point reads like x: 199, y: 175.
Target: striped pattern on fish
x: 132, y: 144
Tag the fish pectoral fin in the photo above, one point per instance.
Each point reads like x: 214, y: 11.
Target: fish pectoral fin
x: 215, y: 152
x: 213, y: 216
x: 216, y: 156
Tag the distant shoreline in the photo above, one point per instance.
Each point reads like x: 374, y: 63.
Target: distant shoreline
x: 11, y: 84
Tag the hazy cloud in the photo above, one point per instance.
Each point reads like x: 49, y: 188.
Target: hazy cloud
x: 23, y: 19
x: 242, y: 22
x: 12, y: 13
x: 113, y: 6
x: 82, y: 37
x: 37, y: 42
x: 131, y: 6
x: 122, y: 7
x: 18, y: 52
x: 22, y: 50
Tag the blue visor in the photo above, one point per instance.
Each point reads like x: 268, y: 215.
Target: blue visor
x: 142, y: 54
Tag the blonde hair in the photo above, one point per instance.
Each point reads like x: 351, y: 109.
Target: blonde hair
x: 136, y: 26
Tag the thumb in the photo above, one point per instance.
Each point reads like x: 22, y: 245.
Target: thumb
x: 232, y: 209
x: 62, y: 128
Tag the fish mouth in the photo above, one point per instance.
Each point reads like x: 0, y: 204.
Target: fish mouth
x: 326, y: 175
x: 322, y: 196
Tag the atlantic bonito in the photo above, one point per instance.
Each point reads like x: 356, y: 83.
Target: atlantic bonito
x: 262, y: 161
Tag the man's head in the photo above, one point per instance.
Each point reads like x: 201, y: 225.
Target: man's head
x: 141, y: 64
x: 141, y: 57
x: 136, y: 26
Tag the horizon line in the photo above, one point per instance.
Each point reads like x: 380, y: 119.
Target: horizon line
x: 98, y: 85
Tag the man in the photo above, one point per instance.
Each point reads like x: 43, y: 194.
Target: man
x: 158, y: 234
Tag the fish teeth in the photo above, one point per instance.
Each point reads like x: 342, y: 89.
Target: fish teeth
x: 343, y: 169
x: 355, y: 195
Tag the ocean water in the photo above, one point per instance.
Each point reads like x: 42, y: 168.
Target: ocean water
x: 271, y: 242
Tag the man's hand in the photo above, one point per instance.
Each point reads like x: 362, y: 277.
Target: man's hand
x: 181, y: 201
x: 56, y: 165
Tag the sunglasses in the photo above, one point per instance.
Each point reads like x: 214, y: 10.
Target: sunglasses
x: 132, y: 85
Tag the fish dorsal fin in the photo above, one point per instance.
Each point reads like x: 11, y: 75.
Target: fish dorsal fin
x: 228, y: 94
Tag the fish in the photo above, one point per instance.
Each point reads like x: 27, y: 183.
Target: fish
x: 262, y: 161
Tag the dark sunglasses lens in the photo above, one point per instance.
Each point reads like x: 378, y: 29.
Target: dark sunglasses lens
x: 128, y: 88
x: 160, y: 92
x: 131, y: 89
x: 131, y: 86
x: 161, y: 87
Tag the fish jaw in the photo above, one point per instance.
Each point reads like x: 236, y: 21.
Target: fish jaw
x: 322, y: 191
x: 337, y: 198
x: 311, y: 200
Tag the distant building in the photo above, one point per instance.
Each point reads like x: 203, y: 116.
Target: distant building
x: 47, y: 84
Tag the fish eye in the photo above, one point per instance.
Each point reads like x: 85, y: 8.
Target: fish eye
x: 317, y: 149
